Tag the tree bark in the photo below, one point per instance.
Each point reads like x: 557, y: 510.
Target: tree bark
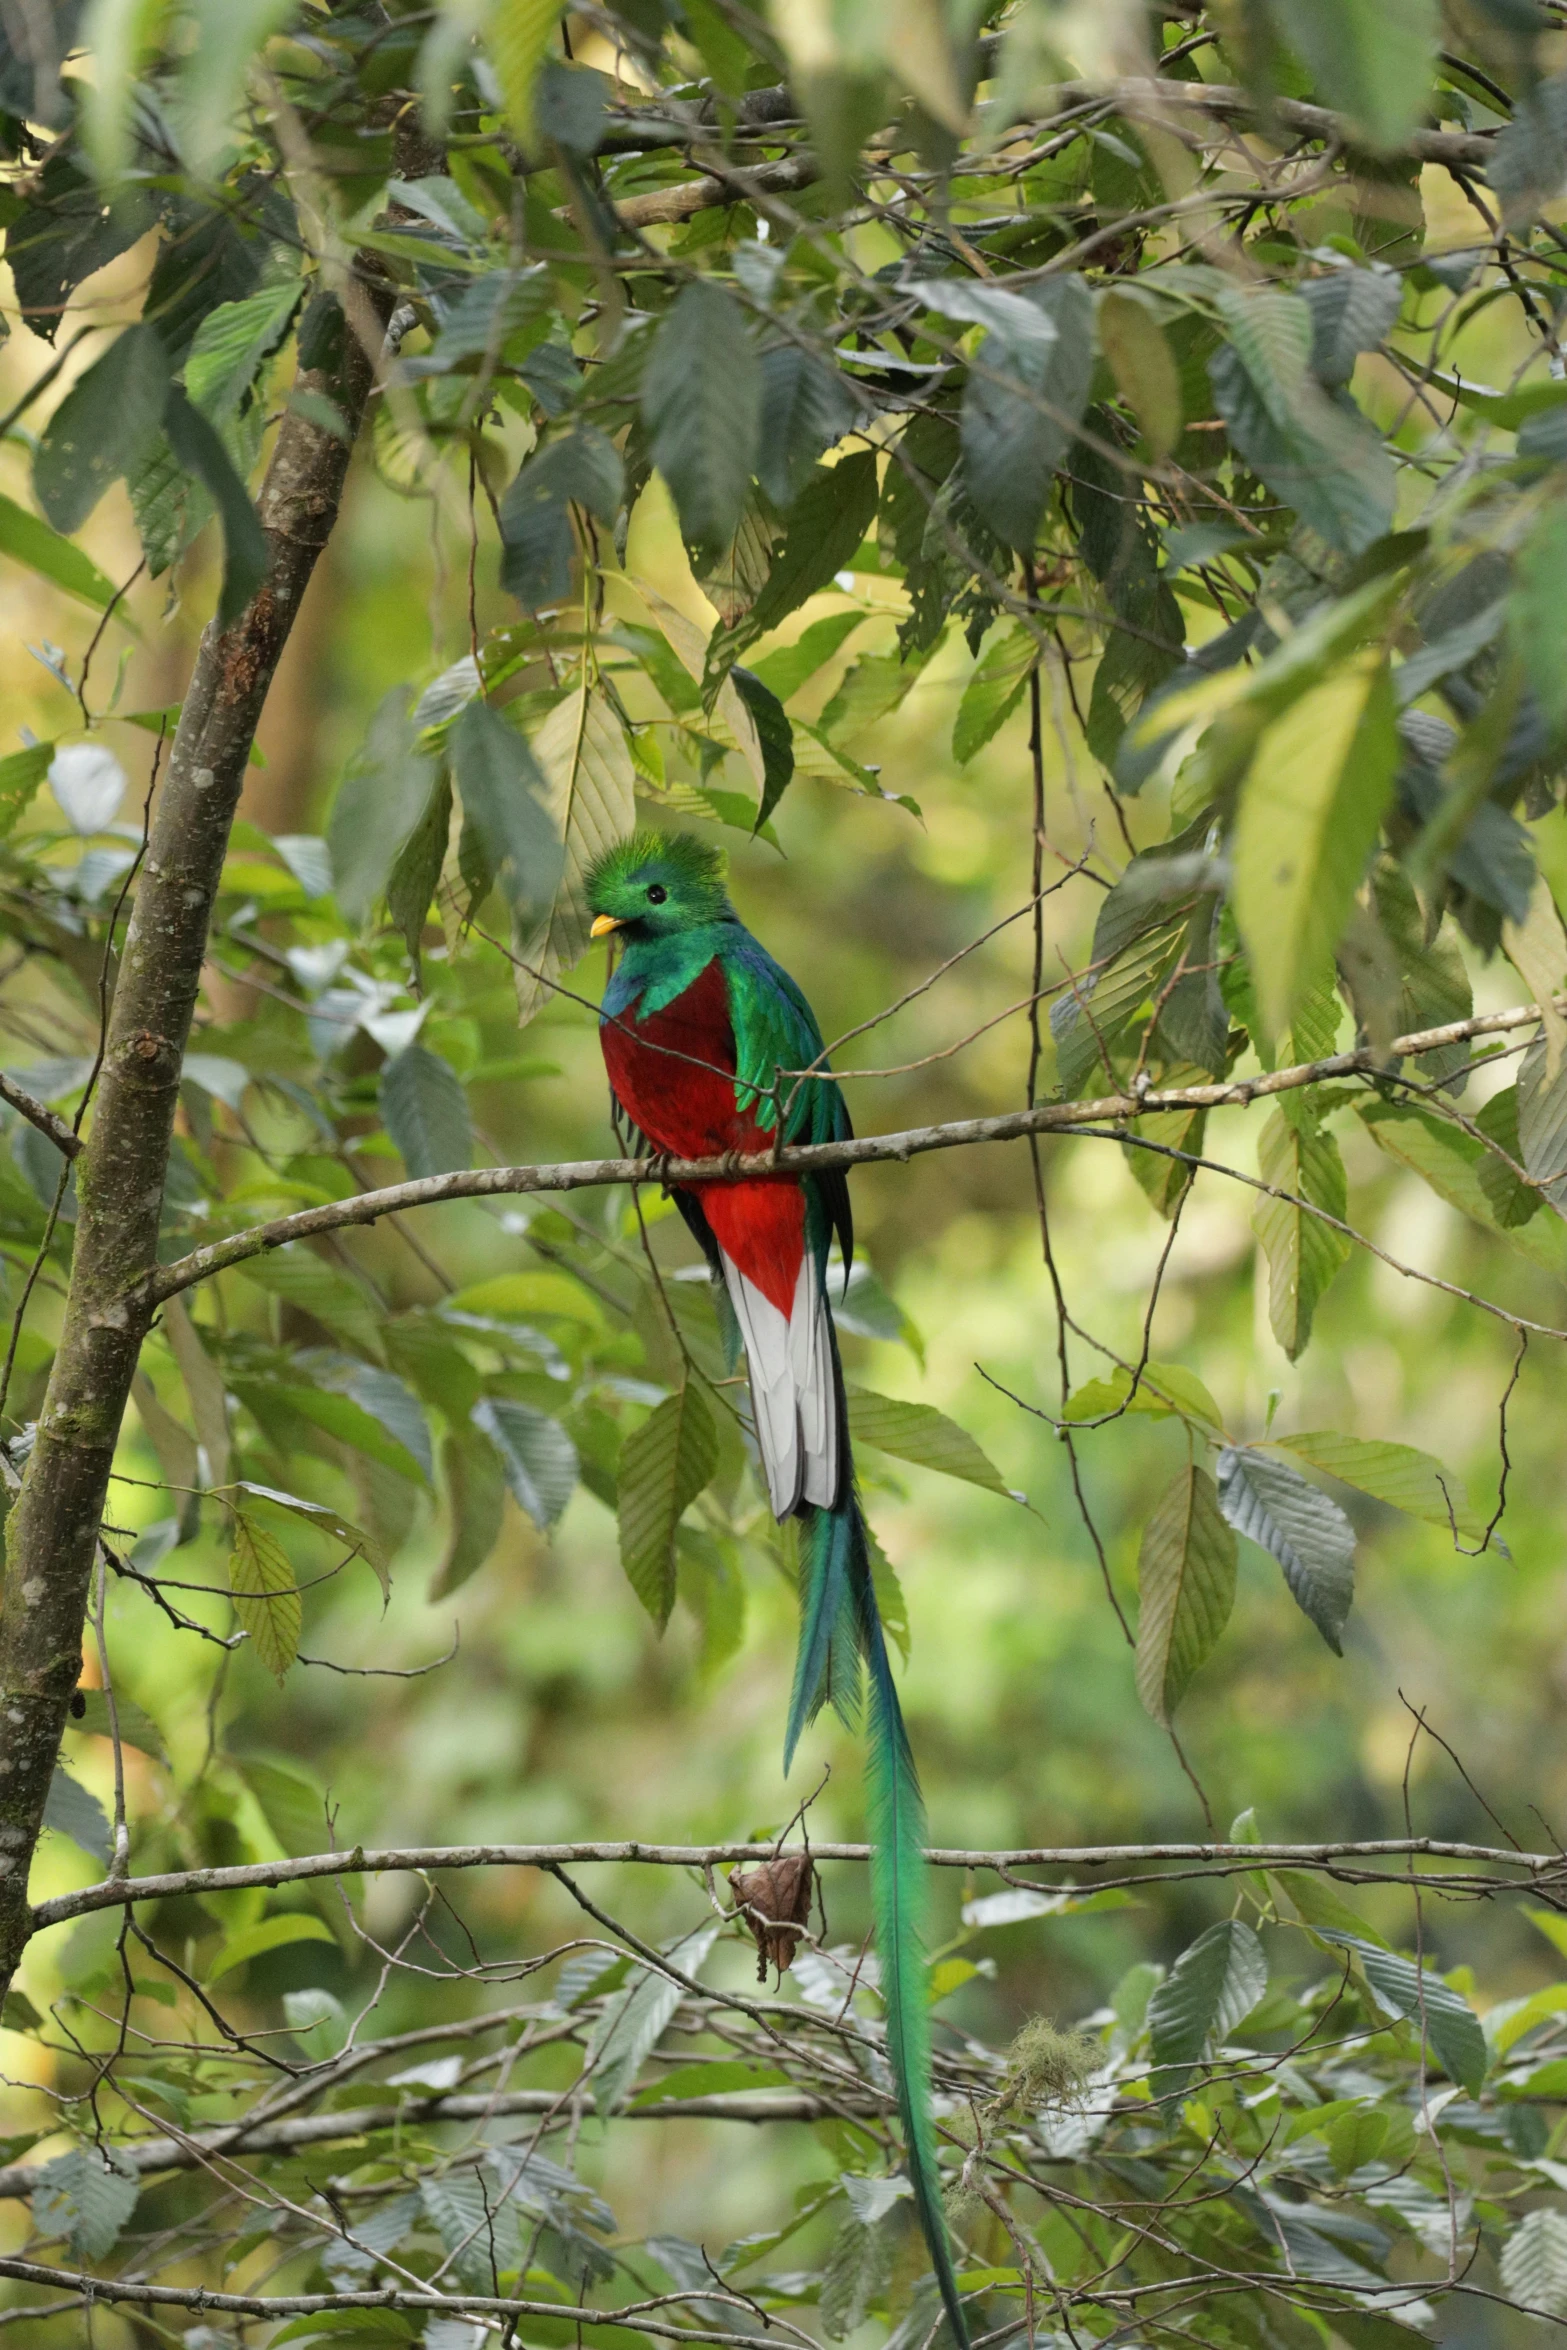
x: 53, y: 1531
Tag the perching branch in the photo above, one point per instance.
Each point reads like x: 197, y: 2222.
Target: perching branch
x: 40, y: 1115
x: 367, y: 1207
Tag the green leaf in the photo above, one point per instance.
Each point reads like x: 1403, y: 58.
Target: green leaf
x: 1186, y: 1587
x: 414, y: 878
x: 1321, y: 459
x: 1143, y: 365
x: 1025, y: 396
x: 590, y: 797
x: 425, y: 1111
x: 807, y: 405
x: 701, y: 405
x: 274, y: 1933
x: 325, y: 1520
x: 232, y: 342
x: 136, y: 1728
x: 993, y: 692
x: 293, y: 1805
x: 21, y: 772
x: 201, y: 452
x: 1450, y: 1160
x: 86, y: 2197
x: 1419, y: 1995
x: 226, y: 36
x: 31, y: 542
x: 917, y: 1432
x: 1374, y: 63
x: 1542, y: 1123
x: 859, y: 2265
x: 106, y: 426
x: 506, y: 800
x: 536, y: 1455
x: 1393, y: 1473
x: 636, y: 2019
x: 1309, y: 813
x: 73, y: 1810
x: 329, y: 1296
x: 537, y: 548
x: 1303, y: 1252
x: 1212, y: 1987
x: 1165, y: 1391
x: 826, y: 524
x: 773, y: 733
x: 784, y: 672
x: 265, y: 1594
x: 476, y: 1490
x: 1309, y: 1535
x: 386, y: 791
x: 518, y: 35
x: 1534, y: 2264
x: 663, y: 1466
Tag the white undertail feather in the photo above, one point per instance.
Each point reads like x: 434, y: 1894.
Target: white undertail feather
x: 791, y: 1366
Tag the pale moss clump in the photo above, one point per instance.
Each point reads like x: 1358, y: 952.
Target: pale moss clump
x: 1046, y: 2067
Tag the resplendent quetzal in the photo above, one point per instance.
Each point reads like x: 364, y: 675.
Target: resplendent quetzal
x: 697, y: 1023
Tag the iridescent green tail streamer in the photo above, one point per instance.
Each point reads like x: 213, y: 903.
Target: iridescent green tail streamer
x: 840, y: 1626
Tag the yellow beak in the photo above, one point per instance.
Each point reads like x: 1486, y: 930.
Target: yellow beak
x: 603, y: 924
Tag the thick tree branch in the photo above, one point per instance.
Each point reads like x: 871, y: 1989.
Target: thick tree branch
x: 367, y: 1207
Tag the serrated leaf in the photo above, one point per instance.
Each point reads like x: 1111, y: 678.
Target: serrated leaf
x: 1397, y: 1474
x: 701, y: 405
x: 663, y: 1466
x: 508, y: 799
x: 635, y: 2020
x: 87, y: 2198
x: 274, y: 1933
x: 265, y: 1594
x: 326, y: 1520
x: 859, y: 2264
x: 536, y: 1454
x: 917, y: 1432
x: 1534, y: 2264
x: 993, y: 692
x: 231, y: 343
x: 774, y: 734
x: 1303, y: 1252
x: 105, y: 427
x: 518, y: 35
x: 32, y: 543
x: 1374, y: 64
x: 590, y: 797
x: 475, y: 1490
x: 425, y: 1111
x: 1298, y: 1525
x: 73, y: 1810
x: 1309, y: 812
x: 415, y: 876
x: 329, y: 1296
x: 1449, y: 1160
x: 201, y: 453
x: 1211, y: 1988
x: 385, y: 792
x: 1144, y: 368
x: 807, y: 405
x: 582, y: 468
x: 826, y: 524
x: 1420, y: 1996
x: 21, y: 772
x: 1186, y: 1589
x: 1319, y: 458
x: 1021, y: 407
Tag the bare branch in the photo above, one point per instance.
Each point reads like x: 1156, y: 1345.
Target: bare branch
x: 38, y: 1114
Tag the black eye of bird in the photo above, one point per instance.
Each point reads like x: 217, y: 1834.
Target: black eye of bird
x: 657, y: 893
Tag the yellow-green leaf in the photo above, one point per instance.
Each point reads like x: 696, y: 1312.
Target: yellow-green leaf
x: 266, y: 1934
x: 663, y: 1466
x: 1303, y: 1252
x: 1186, y: 1582
x: 266, y: 1596
x: 518, y: 35
x: 1406, y: 1479
x: 1165, y: 1390
x: 917, y: 1432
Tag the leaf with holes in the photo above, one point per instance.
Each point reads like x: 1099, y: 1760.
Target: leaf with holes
x: 265, y: 1594
x: 663, y: 1466
x: 1303, y: 1252
x: 1314, y: 1543
x: 701, y: 406
x: 425, y: 1111
x: 1211, y: 1988
x: 537, y: 1456
x: 917, y: 1432
x: 1186, y: 1587
x: 589, y: 794
x: 1397, y: 1474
